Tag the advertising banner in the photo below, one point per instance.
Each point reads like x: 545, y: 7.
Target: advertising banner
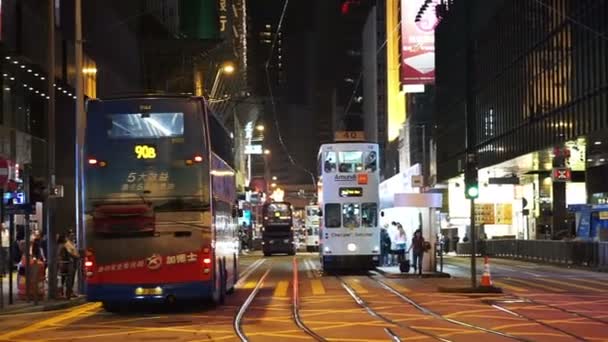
x: 418, y: 42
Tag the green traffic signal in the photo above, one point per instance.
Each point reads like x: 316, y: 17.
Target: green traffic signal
x: 472, y: 191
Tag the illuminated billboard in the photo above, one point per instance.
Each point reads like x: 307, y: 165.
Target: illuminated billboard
x: 418, y: 42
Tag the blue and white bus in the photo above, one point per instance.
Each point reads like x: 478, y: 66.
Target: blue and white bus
x: 160, y: 202
x: 348, y: 202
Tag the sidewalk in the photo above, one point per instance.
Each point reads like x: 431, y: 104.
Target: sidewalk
x: 393, y: 272
x: 21, y: 306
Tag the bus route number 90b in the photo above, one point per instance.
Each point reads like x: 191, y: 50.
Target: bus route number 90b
x: 145, y: 152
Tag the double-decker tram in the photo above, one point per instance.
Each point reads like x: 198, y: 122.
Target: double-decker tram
x: 159, y: 202
x: 311, y: 224
x: 278, y: 234
x: 348, y: 200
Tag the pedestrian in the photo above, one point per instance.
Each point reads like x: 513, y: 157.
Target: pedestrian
x: 400, y: 243
x: 68, y: 263
x: 4, y: 249
x: 385, y: 246
x: 418, y: 246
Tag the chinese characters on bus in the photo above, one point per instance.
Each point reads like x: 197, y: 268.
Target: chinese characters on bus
x: 151, y: 180
x: 181, y: 258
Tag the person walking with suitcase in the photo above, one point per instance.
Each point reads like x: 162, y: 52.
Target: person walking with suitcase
x: 418, y: 246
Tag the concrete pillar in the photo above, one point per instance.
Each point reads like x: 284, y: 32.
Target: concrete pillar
x: 559, y: 207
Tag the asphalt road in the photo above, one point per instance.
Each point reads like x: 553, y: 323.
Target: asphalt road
x: 274, y: 303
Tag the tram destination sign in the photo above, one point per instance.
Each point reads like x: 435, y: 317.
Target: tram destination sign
x: 351, y: 192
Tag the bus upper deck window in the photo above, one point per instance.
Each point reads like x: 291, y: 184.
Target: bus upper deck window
x: 330, y: 162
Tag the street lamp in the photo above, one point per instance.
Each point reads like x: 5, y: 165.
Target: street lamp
x: 260, y: 128
x: 274, y: 178
x: 226, y: 68
x: 266, y: 151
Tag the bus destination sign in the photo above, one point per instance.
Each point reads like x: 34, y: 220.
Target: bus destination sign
x: 349, y: 136
x: 145, y: 152
x: 351, y: 192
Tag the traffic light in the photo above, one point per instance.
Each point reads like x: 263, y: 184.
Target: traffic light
x: 471, y: 184
x: 471, y: 189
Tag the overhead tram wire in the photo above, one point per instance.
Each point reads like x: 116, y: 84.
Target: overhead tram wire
x: 360, y: 77
x: 292, y: 160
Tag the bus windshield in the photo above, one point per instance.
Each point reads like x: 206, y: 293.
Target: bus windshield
x: 148, y: 125
x: 278, y: 210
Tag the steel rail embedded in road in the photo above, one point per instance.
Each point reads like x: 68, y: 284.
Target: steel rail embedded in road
x: 241, y: 312
x: 570, y: 312
x: 530, y: 319
x: 296, y: 305
x: 441, y: 317
x: 248, y: 271
x: 379, y: 316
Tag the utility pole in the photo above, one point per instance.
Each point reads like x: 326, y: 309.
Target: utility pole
x: 471, y: 160
x: 80, y: 126
x: 49, y: 206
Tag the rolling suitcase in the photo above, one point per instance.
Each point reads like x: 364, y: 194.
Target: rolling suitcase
x: 404, y: 266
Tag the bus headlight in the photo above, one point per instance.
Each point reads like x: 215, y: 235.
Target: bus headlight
x: 351, y: 247
x: 326, y: 249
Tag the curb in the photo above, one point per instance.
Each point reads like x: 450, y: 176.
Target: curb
x: 58, y: 305
x: 413, y: 275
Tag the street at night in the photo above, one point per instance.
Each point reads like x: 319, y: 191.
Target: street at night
x: 316, y: 170
x: 542, y: 303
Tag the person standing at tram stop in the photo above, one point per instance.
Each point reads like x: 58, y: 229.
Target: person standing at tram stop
x: 400, y: 243
x: 385, y: 246
x: 5, y: 244
x: 418, y: 246
x: 68, y: 263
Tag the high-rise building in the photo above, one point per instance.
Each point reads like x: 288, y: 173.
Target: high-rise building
x: 538, y: 107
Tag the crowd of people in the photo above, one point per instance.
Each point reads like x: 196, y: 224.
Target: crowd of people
x: 394, y: 250
x: 68, y: 256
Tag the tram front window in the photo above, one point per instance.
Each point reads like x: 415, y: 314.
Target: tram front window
x: 332, y: 215
x: 351, y: 215
x: 357, y: 161
x: 369, y: 215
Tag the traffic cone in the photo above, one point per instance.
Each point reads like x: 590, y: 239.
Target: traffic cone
x: 486, y: 278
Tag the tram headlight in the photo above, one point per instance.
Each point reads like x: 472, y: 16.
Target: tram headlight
x: 351, y: 247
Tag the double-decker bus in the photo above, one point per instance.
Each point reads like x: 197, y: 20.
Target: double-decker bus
x: 348, y: 199
x: 311, y: 224
x: 277, y: 231
x: 159, y: 202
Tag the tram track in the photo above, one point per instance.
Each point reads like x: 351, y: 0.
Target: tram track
x: 238, y: 318
x: 438, y: 316
x: 296, y: 305
x: 381, y: 317
x: 497, y: 305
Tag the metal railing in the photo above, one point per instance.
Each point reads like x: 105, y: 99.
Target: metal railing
x: 590, y: 254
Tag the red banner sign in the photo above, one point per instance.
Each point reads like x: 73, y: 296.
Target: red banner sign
x: 418, y: 42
